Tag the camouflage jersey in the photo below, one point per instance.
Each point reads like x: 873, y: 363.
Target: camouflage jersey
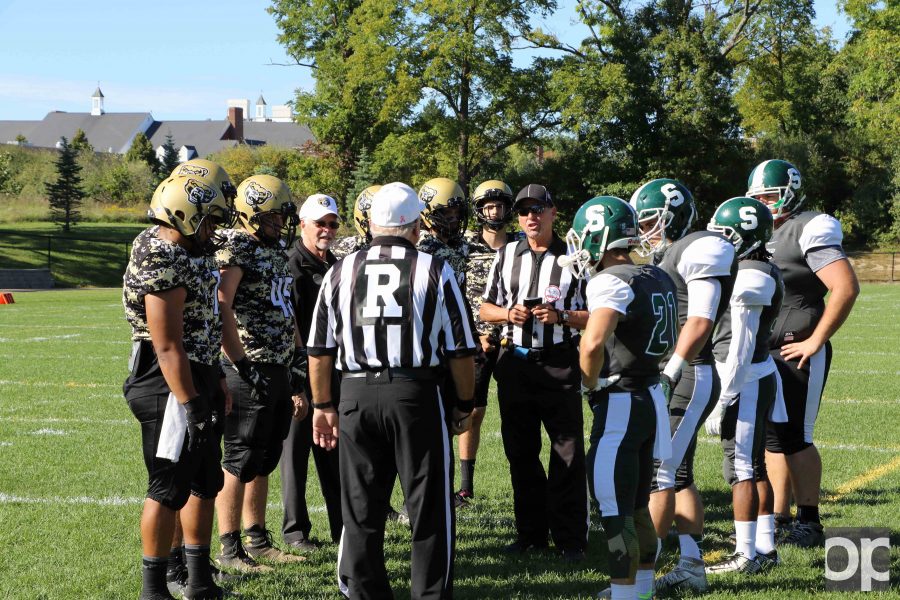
x: 455, y: 253
x: 349, y: 245
x: 157, y: 265
x: 481, y: 257
x: 262, y: 302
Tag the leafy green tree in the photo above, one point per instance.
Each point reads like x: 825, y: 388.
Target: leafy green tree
x: 65, y: 194
x: 170, y: 156
x: 8, y: 184
x: 80, y: 142
x: 21, y: 139
x: 142, y: 150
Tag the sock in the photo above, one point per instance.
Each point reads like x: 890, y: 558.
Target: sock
x: 196, y: 558
x: 643, y: 583
x: 467, y: 474
x: 622, y: 592
x: 258, y: 535
x: 765, y: 533
x: 658, y: 548
x: 230, y: 541
x: 782, y: 520
x: 153, y: 572
x: 690, y: 545
x: 746, y: 538
x: 808, y: 514
x: 176, y: 559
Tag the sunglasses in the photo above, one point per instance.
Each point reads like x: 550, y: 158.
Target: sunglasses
x: 536, y: 209
x: 328, y: 224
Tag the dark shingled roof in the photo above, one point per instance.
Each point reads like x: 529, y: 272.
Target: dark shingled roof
x: 111, y: 130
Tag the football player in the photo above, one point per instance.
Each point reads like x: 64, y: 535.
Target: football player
x: 633, y: 322
x: 750, y: 383
x: 443, y: 219
x: 355, y: 243
x: 703, y: 267
x: 806, y: 246
x: 173, y: 389
x: 258, y: 339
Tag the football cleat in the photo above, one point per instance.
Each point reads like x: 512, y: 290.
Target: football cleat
x: 736, y: 563
x: 461, y: 498
x: 238, y: 560
x: 688, y: 574
x: 805, y: 535
x: 400, y: 516
x: 260, y: 547
x: 767, y: 561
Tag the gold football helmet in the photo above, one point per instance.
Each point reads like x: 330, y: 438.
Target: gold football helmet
x: 438, y: 195
x: 212, y: 171
x: 361, y: 210
x: 260, y: 195
x: 493, y: 189
x: 184, y: 202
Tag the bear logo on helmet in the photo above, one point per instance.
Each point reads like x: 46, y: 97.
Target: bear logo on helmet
x: 427, y: 194
x: 192, y: 170
x: 199, y: 193
x: 257, y: 195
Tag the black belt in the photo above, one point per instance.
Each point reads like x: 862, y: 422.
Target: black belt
x: 421, y: 373
x: 536, y: 354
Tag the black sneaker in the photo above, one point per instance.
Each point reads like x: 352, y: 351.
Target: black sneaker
x: 258, y: 543
x: 783, y: 527
x: 806, y: 535
x: 303, y: 544
x: 176, y: 580
x: 400, y: 516
x: 572, y: 555
x: 461, y: 498
x: 521, y: 547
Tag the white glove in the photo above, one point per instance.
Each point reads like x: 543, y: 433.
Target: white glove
x: 602, y: 382
x: 714, y: 420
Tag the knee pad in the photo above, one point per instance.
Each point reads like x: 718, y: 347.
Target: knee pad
x: 622, y: 540
x: 646, y: 535
x: 173, y: 501
x: 245, y: 464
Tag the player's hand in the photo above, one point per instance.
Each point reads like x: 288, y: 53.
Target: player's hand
x: 519, y: 315
x: 713, y: 422
x: 668, y: 386
x: 258, y: 382
x: 486, y: 345
x: 802, y: 350
x: 462, y: 421
x: 199, y: 421
x: 602, y: 383
x: 545, y: 313
x: 301, y: 407
x: 325, y: 428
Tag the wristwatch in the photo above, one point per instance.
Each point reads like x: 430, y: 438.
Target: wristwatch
x: 564, y: 314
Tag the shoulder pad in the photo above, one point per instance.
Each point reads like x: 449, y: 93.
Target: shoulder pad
x: 753, y: 287
x: 608, y: 291
x: 820, y: 231
x: 707, y: 256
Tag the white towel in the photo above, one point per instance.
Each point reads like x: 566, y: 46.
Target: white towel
x: 174, y: 426
x: 662, y: 446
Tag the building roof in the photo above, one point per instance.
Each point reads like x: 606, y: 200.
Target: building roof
x: 97, y: 93
x: 204, y: 136
x: 261, y: 100
x: 110, y: 130
x: 285, y: 135
x: 10, y: 129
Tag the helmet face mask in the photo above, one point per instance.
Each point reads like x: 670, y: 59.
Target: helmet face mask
x: 438, y: 194
x: 666, y: 211
x: 777, y: 177
x: 493, y: 191
x: 745, y: 222
x: 602, y: 223
x: 261, y: 199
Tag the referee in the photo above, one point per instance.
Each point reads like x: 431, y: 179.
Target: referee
x: 541, y: 307
x: 392, y: 319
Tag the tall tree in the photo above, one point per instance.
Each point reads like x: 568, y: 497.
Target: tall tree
x: 170, y: 156
x: 80, y: 142
x: 142, y: 150
x: 65, y: 194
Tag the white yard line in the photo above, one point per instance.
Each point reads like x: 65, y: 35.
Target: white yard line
x: 69, y: 384
x: 39, y: 339
x: 52, y: 420
x: 103, y: 501
x: 826, y: 446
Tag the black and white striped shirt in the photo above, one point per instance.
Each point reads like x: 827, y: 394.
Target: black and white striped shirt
x: 390, y: 306
x: 518, y: 273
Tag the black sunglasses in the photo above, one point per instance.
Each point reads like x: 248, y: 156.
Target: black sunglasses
x: 328, y: 224
x: 536, y: 209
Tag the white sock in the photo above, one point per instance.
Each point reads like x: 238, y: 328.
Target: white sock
x: 689, y: 548
x: 765, y: 533
x: 643, y: 583
x: 746, y: 538
x: 623, y: 592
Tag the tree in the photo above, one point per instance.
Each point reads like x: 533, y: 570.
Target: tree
x: 80, y: 142
x: 21, y: 139
x: 65, y: 195
x: 142, y: 150
x: 170, y: 156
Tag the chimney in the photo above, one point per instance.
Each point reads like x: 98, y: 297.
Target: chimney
x: 236, y: 118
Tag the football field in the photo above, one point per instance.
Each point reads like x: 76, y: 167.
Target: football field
x: 72, y: 478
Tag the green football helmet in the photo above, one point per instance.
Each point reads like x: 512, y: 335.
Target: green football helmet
x: 601, y: 223
x: 745, y: 222
x: 665, y: 209
x: 778, y: 177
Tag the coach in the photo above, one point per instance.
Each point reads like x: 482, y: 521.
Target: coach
x: 388, y: 317
x: 541, y: 307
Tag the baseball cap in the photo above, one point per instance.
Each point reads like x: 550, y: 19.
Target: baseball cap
x: 317, y: 206
x: 534, y: 191
x: 394, y: 205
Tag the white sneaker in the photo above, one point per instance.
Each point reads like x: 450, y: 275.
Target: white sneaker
x: 736, y: 563
x: 607, y: 593
x: 689, y: 573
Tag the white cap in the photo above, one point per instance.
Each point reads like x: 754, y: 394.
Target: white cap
x: 394, y: 205
x: 317, y: 206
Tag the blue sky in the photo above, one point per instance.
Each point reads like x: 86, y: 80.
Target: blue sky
x: 178, y: 60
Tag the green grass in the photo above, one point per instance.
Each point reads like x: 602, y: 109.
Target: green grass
x: 72, y: 478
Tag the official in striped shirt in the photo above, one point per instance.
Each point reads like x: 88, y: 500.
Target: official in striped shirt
x: 542, y: 309
x: 393, y: 320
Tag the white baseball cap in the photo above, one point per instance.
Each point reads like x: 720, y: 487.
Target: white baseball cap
x: 317, y: 206
x: 394, y: 205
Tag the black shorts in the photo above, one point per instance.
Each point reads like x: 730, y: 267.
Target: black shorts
x: 196, y: 472
x: 743, y: 431
x: 484, y: 369
x: 692, y: 400
x: 254, y: 432
x: 802, y: 395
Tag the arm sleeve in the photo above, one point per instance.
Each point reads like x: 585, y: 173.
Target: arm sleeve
x: 608, y: 291
x: 703, y: 298
x: 456, y: 324
x: 321, y: 335
x: 820, y: 242
x: 707, y: 256
x: 493, y: 286
x: 744, y: 325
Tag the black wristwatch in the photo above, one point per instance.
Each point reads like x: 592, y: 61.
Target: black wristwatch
x: 563, y: 316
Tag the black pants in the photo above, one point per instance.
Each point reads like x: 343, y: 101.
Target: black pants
x: 294, y: 470
x: 532, y: 393
x: 390, y: 426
